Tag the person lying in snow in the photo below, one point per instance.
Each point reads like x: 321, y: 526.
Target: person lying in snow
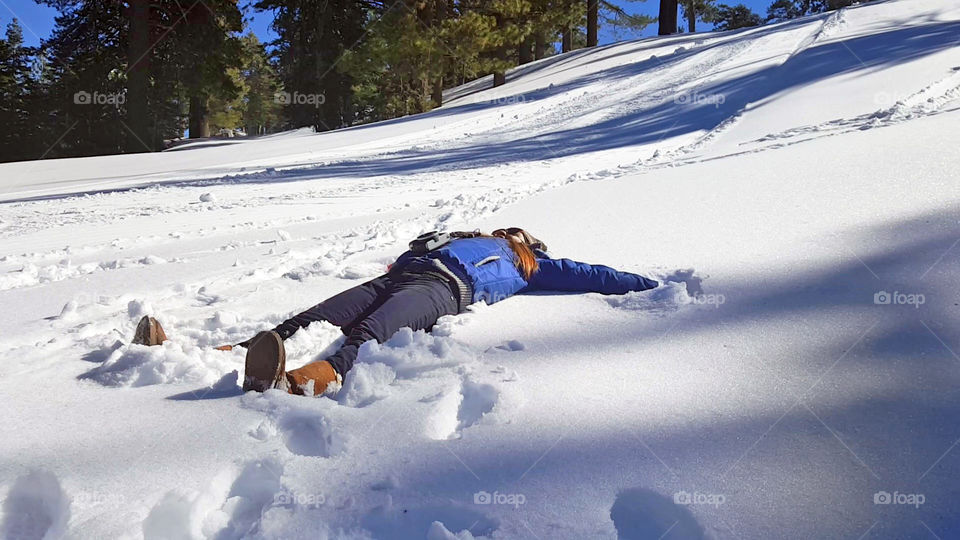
x: 441, y: 275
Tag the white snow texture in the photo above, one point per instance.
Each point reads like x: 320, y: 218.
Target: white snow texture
x: 793, y: 187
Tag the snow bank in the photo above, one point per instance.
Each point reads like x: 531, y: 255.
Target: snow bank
x: 411, y: 354
x: 172, y: 362
x: 366, y: 383
x: 31, y: 274
x: 802, y: 168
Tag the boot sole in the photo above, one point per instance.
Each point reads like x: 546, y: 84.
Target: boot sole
x: 265, y: 363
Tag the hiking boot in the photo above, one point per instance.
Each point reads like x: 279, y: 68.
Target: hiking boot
x: 149, y: 332
x: 266, y: 360
x: 314, y: 379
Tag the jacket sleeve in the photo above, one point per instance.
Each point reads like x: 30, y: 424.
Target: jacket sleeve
x: 573, y: 276
x: 401, y: 261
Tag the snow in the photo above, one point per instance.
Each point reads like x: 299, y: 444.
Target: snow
x: 777, y: 181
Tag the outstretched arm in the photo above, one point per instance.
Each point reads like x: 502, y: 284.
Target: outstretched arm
x: 573, y: 276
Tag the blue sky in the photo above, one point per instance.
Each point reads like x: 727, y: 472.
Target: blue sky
x: 37, y: 20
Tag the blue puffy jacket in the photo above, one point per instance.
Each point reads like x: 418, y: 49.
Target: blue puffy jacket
x: 486, y: 266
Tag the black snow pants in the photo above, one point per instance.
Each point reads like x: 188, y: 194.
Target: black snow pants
x: 377, y: 309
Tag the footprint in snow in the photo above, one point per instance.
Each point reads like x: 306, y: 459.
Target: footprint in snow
x: 304, y: 429
x: 639, y: 514
x: 394, y: 520
x: 307, y: 433
x: 101, y: 354
x: 459, y: 408
x: 205, y: 298
x: 507, y: 375
x: 509, y: 346
x: 478, y: 400
x: 231, y: 506
x: 36, y: 507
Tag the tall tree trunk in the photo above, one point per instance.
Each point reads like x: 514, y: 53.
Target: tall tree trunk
x: 539, y: 46
x: 432, y: 14
x: 499, y: 77
x: 668, y: 17
x: 138, y: 79
x: 199, y: 117
x: 691, y: 10
x: 566, y: 44
x: 437, y: 92
x: 593, y: 21
x: 200, y: 19
x: 525, y: 51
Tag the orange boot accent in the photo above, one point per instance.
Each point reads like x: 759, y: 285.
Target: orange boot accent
x: 322, y: 376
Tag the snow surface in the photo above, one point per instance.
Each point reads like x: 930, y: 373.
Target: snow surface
x: 776, y: 179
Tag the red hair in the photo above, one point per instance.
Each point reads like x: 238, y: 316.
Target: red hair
x: 525, y: 259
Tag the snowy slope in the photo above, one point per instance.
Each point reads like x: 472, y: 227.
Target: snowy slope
x: 776, y: 179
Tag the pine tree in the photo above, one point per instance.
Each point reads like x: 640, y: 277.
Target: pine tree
x: 16, y: 88
x: 407, y: 57
x: 86, y: 54
x: 392, y: 69
x: 615, y: 16
x: 782, y: 10
x: 140, y: 37
x: 119, y: 75
x: 694, y: 10
x: 517, y: 22
x: 571, y: 18
x: 555, y: 21
x: 313, y: 37
x: 261, y: 111
x: 733, y: 17
x: 254, y: 108
x: 208, y: 45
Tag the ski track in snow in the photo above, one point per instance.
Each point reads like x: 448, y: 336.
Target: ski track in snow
x: 573, y: 109
x: 928, y: 101
x: 681, y: 77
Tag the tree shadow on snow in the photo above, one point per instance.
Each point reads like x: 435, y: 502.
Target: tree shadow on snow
x: 641, y: 514
x: 668, y: 119
x: 226, y: 387
x: 854, y: 55
x: 870, y: 407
